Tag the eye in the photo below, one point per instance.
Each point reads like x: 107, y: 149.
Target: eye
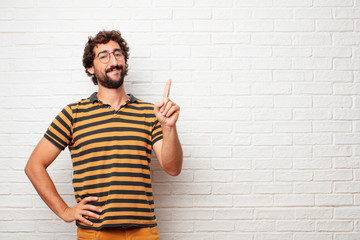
x: 118, y: 53
x: 103, y: 55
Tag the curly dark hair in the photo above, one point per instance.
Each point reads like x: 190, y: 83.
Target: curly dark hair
x: 103, y: 37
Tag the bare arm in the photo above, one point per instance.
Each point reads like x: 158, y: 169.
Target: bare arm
x: 43, y: 155
x: 168, y: 150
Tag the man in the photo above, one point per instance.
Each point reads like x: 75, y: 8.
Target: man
x: 110, y: 136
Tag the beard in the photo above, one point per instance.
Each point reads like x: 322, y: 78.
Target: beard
x: 105, y: 81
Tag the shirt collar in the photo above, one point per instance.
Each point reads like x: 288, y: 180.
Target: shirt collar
x: 93, y: 98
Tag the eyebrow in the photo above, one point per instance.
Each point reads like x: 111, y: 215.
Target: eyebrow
x: 116, y: 49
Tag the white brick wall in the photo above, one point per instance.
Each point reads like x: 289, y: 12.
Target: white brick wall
x: 270, y: 119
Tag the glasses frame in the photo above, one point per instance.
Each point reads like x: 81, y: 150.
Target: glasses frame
x: 106, y: 58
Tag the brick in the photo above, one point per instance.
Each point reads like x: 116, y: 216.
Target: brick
x: 272, y: 115
x: 332, y: 52
x: 312, y: 139
x: 235, y: 89
x: 205, y: 127
x: 346, y: 114
x: 273, y: 188
x: 271, y: 39
x: 231, y: 13
x: 234, y: 140
x: 272, y: 64
x: 230, y: 188
x: 192, y: 214
x: 254, y: 75
x: 213, y: 26
x: 214, y: 226
x: 273, y: 236
x: 253, y: 176
x: 190, y: 188
x: 312, y: 188
x: 230, y: 38
x: 233, y: 213
x: 347, y: 212
x: 19, y: 226
x: 253, y: 101
x: 294, y: 200
x: 347, y: 187
x: 230, y: 64
x: 274, y: 213
x: 254, y: 3
x: 347, y: 13
x: 274, y: 13
x: 221, y: 164
x: 294, y: 25
x: 295, y: 3
x: 292, y: 101
x: 334, y: 200
x: 312, y: 114
x: 295, y: 226
x: 314, y: 213
x: 333, y: 76
x: 306, y: 39
x: 213, y: 201
x: 312, y: 236
x: 285, y: 176
x: 175, y: 226
x: 347, y: 236
x: 279, y: 163
x: 346, y: 88
x: 212, y: 176
x: 292, y: 52
x: 246, y: 152
x: 347, y: 163
x: 313, y: 13
x: 334, y: 26
x: 326, y: 151
x: 254, y: 26
x: 287, y: 127
x: 249, y: 51
x: 341, y: 39
x: 333, y: 3
x: 256, y: 226
x: 292, y: 151
x: 312, y: 88
x: 191, y: 13
x: 233, y: 236
x: 271, y: 140
x: 145, y: 14
x: 340, y: 64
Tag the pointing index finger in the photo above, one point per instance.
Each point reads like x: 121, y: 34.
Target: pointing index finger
x: 167, y: 89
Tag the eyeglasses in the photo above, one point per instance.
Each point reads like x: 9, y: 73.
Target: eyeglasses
x: 104, y: 56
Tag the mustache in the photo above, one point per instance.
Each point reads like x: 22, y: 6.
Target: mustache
x: 118, y: 67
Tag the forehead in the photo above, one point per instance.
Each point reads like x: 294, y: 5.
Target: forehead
x: 109, y: 46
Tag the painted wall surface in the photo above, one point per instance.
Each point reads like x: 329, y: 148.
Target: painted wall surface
x: 270, y: 111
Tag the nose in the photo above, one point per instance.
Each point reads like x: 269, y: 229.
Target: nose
x: 112, y: 59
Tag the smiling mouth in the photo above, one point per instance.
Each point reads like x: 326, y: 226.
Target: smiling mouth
x: 117, y: 67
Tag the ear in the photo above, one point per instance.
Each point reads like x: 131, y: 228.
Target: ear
x: 91, y: 70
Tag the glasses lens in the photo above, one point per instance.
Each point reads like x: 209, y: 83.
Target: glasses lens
x: 118, y: 54
x: 103, y: 57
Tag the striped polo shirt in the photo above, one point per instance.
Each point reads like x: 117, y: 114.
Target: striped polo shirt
x: 111, y: 154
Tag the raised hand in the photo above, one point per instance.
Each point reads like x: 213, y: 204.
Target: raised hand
x: 166, y: 111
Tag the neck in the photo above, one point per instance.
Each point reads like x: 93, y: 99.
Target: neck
x: 114, y: 97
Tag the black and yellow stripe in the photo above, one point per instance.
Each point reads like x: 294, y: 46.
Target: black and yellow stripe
x: 111, y: 154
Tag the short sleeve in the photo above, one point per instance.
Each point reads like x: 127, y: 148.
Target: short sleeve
x: 156, y: 133
x: 60, y: 130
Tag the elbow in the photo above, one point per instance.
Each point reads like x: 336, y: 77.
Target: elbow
x: 174, y: 172
x: 27, y: 170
